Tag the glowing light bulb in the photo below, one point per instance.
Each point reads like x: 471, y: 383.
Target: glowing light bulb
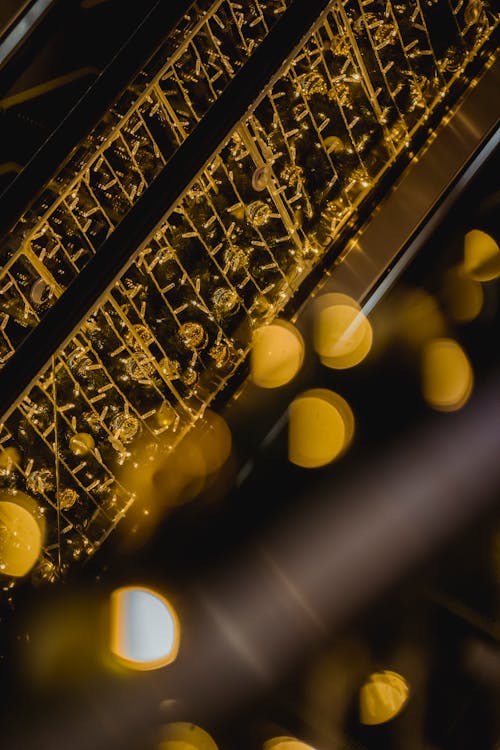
x: 145, y: 630
x: 320, y: 428
x: 184, y: 736
x: 382, y: 697
x: 81, y: 443
x: 447, y: 375
x: 285, y: 743
x: 481, y: 256
x: 343, y: 335
x: 277, y: 354
x: 21, y: 535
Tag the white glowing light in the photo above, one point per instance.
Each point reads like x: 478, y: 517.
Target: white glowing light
x: 144, y: 628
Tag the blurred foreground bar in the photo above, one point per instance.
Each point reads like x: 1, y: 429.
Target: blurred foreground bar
x: 246, y: 627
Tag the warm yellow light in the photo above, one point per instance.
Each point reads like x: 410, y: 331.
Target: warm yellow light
x: 81, y: 443
x: 166, y: 415
x: 274, y: 741
x: 145, y: 631
x: 463, y: 296
x: 21, y: 536
x: 184, y: 736
x: 285, y: 743
x: 447, y: 376
x: 343, y: 335
x: 382, y: 697
x: 481, y: 256
x: 418, y: 317
x: 321, y: 427
x: 213, y: 438
x: 181, y: 475
x: 9, y: 459
x: 162, y: 477
x: 277, y: 354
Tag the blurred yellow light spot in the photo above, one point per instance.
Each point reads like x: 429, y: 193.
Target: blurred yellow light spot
x: 182, y: 474
x: 447, y: 376
x: 481, y: 256
x: 463, y: 296
x: 145, y: 630
x: 214, y: 439
x: 382, y: 697
x: 277, y: 354
x: 81, y: 443
x: 321, y: 427
x: 163, y: 477
x: 20, y: 538
x: 343, y: 335
x: 184, y: 736
x: 420, y: 318
x: 178, y: 476
x: 285, y: 743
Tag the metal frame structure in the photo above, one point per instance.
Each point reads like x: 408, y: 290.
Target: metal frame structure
x: 17, y: 197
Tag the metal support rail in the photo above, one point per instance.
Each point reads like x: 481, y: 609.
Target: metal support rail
x: 26, y: 30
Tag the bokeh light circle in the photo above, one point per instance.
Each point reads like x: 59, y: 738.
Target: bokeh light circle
x: 447, y: 375
x: 320, y: 428
x: 144, y: 628
x: 343, y: 335
x: 184, y: 736
x: 382, y: 697
x: 481, y: 256
x: 21, y: 533
x: 277, y: 354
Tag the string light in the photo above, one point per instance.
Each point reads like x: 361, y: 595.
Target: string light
x: 226, y: 260
x: 320, y: 428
